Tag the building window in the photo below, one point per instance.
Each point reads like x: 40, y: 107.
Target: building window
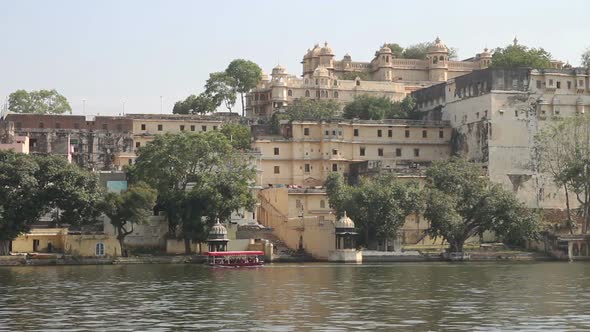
x: 137, y: 144
x: 416, y: 152
x: 558, y: 84
x: 424, y: 134
x: 290, y: 93
x: 160, y: 127
x: 192, y: 128
x: 333, y: 132
x: 317, y: 93
x: 277, y: 169
x: 41, y: 125
x: 380, y: 152
x: 389, y: 133
x: 276, y: 151
x: 362, y: 152
x: 306, y: 131
x: 550, y: 82
x: 317, y: 81
x: 307, y: 168
x: 130, y: 161
x: 358, y: 83
x: 379, y: 133
x: 407, y: 133
x: 99, y: 249
x: 143, y: 126
x: 307, y: 93
x: 334, y: 152
x: 203, y: 128
x: 181, y: 127
x: 327, y: 133
x: 398, y: 152
x: 569, y: 84
x: 322, y: 204
x: 334, y: 167
x: 336, y: 94
x: 441, y: 134
x: 214, y: 127
x: 356, y: 132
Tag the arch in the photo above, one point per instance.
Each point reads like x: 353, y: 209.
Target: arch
x: 441, y: 58
x: 290, y: 93
x: 358, y: 82
x: 435, y: 60
x: 335, y: 94
x: 307, y: 93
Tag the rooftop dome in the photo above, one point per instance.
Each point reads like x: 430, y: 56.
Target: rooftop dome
x: 438, y: 46
x: 218, y: 231
x: 316, y: 50
x: 385, y: 49
x: 307, y: 54
x: 326, y: 50
x: 321, y: 71
x: 486, y: 53
x: 344, y: 222
x: 278, y: 70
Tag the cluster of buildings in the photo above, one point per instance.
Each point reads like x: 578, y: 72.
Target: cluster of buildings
x: 490, y: 116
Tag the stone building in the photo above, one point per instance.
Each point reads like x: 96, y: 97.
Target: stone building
x: 96, y: 143
x: 10, y: 141
x: 391, y: 77
x: 306, y: 152
x: 496, y: 114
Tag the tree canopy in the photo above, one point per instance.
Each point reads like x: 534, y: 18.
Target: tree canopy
x: 352, y: 75
x: 40, y: 102
x: 585, y: 58
x: 199, y: 177
x: 245, y: 74
x: 378, y: 206
x: 238, y: 135
x: 201, y: 104
x: 461, y: 203
x: 32, y: 186
x: 366, y: 107
x: 416, y: 51
x: 221, y: 88
x: 564, y: 152
x: 129, y: 208
x: 514, y: 56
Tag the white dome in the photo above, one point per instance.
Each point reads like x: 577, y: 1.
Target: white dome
x: 438, y: 46
x: 344, y: 222
x: 385, y: 49
x: 218, y: 229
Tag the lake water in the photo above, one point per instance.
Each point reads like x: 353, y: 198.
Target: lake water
x: 305, y: 297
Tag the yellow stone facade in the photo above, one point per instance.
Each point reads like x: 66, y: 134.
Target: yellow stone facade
x: 57, y: 240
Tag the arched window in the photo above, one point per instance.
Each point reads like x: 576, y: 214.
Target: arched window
x: 307, y: 93
x: 290, y: 93
x: 335, y: 94
x: 99, y: 249
x: 441, y: 58
x: 358, y: 82
x: 317, y: 81
x: 387, y: 58
x: 435, y: 60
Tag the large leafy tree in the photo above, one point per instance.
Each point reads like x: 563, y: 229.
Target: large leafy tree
x: 461, y: 203
x: 41, y: 102
x: 238, y: 135
x: 564, y: 151
x: 305, y: 109
x: 585, y: 58
x: 222, y: 89
x: 199, y: 178
x: 378, y: 206
x: 201, y: 104
x: 514, y: 56
x: 245, y: 75
x: 128, y: 209
x: 367, y: 107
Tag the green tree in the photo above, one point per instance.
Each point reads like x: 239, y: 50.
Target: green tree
x: 402, y: 109
x: 352, y: 75
x: 378, y: 206
x: 41, y: 102
x: 191, y: 173
x: 312, y: 109
x: 129, y: 208
x: 461, y: 203
x: 514, y: 56
x: 420, y: 51
x: 238, y: 135
x: 396, y: 50
x: 564, y: 150
x: 245, y: 75
x: 585, y: 58
x: 221, y: 88
x: 18, y: 191
x: 367, y: 107
x: 201, y: 104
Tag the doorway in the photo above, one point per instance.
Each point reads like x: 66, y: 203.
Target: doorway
x: 35, y: 245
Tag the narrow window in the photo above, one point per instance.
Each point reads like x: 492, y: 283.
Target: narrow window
x: 203, y: 128
x: 416, y: 152
x: 327, y: 133
x: 424, y: 134
x: 137, y: 144
x: 358, y: 83
x: 307, y: 93
x: 558, y: 84
x: 407, y: 133
x: 306, y: 131
x: 99, y: 250
x: 334, y: 152
x: 159, y: 127
x: 276, y: 151
x: 356, y: 132
x: 398, y: 152
x: 214, y: 127
x: 380, y: 152
x: 290, y: 93
x: 362, y: 152
x: 307, y: 168
x: 143, y: 126
x: 389, y: 133
x: 336, y: 94
x: 441, y: 134
x: 378, y: 132
x: 277, y: 169
x: 569, y: 84
x: 181, y: 127
x: 334, y: 167
x: 192, y: 128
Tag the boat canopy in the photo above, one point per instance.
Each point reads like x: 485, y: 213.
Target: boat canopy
x: 235, y: 253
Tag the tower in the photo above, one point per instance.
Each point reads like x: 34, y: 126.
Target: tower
x: 438, y: 61
x: 384, y: 60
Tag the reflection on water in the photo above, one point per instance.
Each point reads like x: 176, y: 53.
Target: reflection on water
x: 307, y: 297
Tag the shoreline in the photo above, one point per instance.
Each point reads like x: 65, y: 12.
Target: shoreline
x: 196, y: 259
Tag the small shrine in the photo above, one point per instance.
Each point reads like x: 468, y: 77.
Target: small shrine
x: 345, y: 242
x: 217, y: 239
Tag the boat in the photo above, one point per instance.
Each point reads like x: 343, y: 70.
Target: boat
x: 235, y: 258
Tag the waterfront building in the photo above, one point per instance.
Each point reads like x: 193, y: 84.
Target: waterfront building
x: 345, y: 236
x: 306, y: 152
x: 217, y: 239
x: 496, y: 114
x: 324, y: 77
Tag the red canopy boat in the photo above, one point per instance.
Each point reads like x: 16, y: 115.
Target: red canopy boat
x: 235, y: 258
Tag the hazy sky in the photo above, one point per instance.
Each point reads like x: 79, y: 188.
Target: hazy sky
x: 107, y: 52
